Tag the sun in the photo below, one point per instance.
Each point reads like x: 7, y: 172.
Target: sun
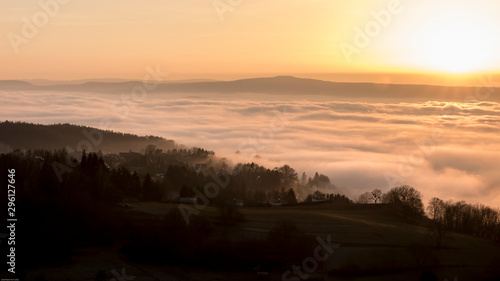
x: 456, y: 43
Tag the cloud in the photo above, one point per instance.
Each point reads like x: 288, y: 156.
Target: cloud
x: 355, y: 143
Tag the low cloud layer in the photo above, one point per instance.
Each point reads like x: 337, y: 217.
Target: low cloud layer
x: 444, y: 149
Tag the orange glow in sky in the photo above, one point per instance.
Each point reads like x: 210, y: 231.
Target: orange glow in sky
x: 222, y: 39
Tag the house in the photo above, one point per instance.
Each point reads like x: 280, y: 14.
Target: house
x: 234, y: 202
x: 277, y: 203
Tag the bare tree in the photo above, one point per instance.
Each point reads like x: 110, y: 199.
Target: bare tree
x: 365, y: 198
x: 436, y: 210
x: 408, y: 199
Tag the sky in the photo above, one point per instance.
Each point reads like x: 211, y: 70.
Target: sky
x: 231, y: 39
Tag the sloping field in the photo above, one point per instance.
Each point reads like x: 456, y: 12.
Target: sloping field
x: 374, y: 241
x: 374, y: 244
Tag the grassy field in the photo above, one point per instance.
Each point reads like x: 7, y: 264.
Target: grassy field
x: 375, y: 244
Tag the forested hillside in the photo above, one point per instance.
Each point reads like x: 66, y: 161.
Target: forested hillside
x: 20, y: 135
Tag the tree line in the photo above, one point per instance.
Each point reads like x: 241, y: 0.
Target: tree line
x: 81, y: 203
x: 92, y: 178
x: 472, y: 219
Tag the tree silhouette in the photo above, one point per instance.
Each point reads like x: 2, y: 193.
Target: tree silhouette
x: 365, y: 198
x: 407, y: 199
x: 290, y: 197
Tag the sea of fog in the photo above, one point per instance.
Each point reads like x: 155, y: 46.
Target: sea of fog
x: 444, y: 149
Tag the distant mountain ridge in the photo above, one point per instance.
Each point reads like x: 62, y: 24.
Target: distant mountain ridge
x: 20, y: 135
x: 274, y: 85
x: 46, y: 82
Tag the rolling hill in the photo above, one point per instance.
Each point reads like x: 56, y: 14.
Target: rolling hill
x: 18, y: 135
x: 277, y: 85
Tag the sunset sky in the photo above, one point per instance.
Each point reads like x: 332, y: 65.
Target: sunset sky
x: 229, y: 39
